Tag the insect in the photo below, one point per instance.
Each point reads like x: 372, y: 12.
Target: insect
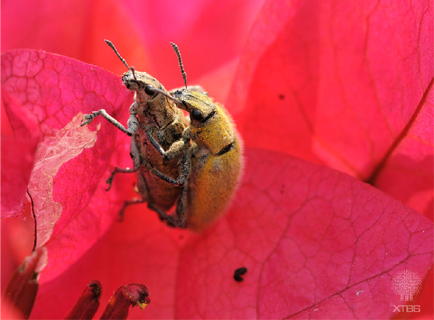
x: 153, y: 115
x: 211, y: 167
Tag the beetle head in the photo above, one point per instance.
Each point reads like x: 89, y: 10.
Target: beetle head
x: 210, y: 125
x: 143, y: 84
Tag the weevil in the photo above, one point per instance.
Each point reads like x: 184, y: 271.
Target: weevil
x: 154, y: 115
x: 211, y: 167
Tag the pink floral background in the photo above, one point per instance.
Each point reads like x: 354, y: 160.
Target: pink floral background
x: 334, y: 100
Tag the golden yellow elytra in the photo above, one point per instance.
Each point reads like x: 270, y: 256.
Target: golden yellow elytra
x: 211, y: 168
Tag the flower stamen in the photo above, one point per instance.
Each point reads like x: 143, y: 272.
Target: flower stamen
x: 23, y: 286
x: 88, y: 303
x: 125, y: 296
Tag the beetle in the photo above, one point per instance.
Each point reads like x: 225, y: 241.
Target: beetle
x: 211, y: 167
x: 154, y: 115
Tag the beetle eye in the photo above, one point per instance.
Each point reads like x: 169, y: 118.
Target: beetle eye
x: 149, y: 91
x: 196, y: 115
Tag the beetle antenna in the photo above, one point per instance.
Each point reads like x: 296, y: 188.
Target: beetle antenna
x: 178, y: 54
x: 133, y: 71
x: 111, y: 45
x: 156, y: 90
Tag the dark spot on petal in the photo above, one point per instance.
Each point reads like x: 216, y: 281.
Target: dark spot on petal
x: 238, y: 273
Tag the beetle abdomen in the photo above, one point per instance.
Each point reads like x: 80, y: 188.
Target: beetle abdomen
x: 212, y: 186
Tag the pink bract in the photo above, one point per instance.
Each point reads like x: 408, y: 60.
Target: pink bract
x: 327, y: 95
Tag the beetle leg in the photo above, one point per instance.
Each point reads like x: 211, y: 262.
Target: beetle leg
x: 177, y: 221
x: 128, y: 203
x: 185, y: 169
x: 181, y: 207
x: 109, y: 180
x: 132, y: 124
x: 176, y: 149
x: 143, y: 190
x: 154, y: 143
x: 135, y: 156
x: 163, y: 215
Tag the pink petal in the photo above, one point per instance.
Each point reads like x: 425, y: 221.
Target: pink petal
x: 335, y: 82
x: 207, y: 41
x: 18, y: 152
x: 218, y: 82
x: 71, y: 160
x: 75, y: 29
x: 209, y: 34
x: 407, y: 174
x: 316, y: 242
x: 17, y: 163
x: 140, y: 249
